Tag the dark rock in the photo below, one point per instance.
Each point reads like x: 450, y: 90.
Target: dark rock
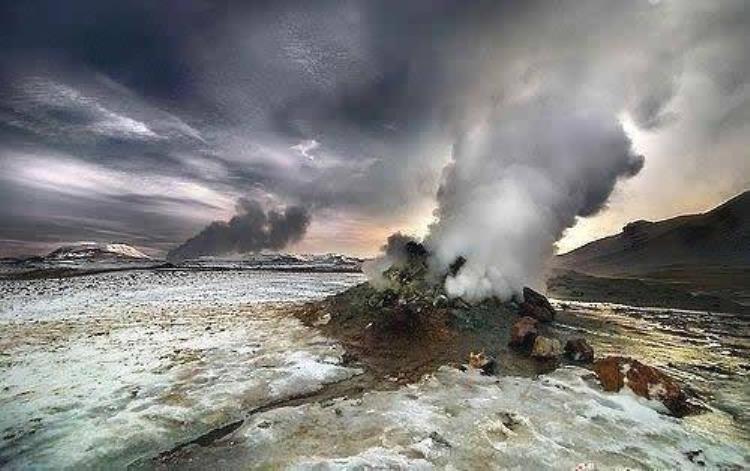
x: 440, y: 300
x: 385, y: 298
x: 696, y: 456
x: 415, y: 250
x: 523, y: 332
x: 439, y: 440
x: 614, y: 372
x: 579, y: 350
x: 510, y: 420
x: 456, y: 266
x: 348, y: 358
x: 460, y: 303
x: 537, y: 306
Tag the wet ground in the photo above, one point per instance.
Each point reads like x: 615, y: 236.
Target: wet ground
x: 710, y: 352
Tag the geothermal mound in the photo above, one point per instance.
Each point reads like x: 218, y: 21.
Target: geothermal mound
x: 410, y: 326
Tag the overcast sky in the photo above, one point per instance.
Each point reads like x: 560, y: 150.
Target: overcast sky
x: 143, y: 121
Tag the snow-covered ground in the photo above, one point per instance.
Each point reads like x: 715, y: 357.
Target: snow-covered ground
x: 98, y: 371
x: 101, y: 371
x: 117, y: 293
x: 457, y: 420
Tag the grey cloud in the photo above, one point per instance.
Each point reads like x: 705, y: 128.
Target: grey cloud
x: 224, y: 91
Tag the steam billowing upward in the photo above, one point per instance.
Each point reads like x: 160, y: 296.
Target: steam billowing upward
x: 515, y: 183
x: 251, y: 230
x: 518, y: 177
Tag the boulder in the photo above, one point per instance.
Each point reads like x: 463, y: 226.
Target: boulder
x: 579, y: 350
x: 537, y: 306
x: 523, y: 332
x: 546, y: 348
x: 614, y: 372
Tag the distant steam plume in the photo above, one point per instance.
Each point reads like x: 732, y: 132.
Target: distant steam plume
x: 515, y: 183
x: 251, y: 230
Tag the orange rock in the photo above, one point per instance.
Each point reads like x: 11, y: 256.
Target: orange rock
x: 614, y: 372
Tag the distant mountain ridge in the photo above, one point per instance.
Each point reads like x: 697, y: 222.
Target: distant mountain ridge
x: 96, y: 251
x: 280, y: 261
x: 720, y: 236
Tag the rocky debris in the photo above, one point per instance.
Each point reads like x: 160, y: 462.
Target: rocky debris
x: 523, y: 333
x: 614, y: 372
x: 440, y: 440
x: 348, y: 359
x: 510, y: 420
x: 546, y: 348
x: 323, y: 320
x: 579, y: 350
x: 457, y: 264
x: 696, y: 456
x: 415, y: 250
x: 481, y: 361
x: 537, y: 306
x: 585, y: 467
x: 381, y: 299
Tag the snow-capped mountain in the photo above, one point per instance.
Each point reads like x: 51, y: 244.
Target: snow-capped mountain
x: 96, y: 251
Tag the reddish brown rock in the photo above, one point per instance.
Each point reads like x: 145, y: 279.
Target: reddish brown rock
x: 614, y: 372
x: 579, y: 350
x: 523, y: 332
x: 537, y: 306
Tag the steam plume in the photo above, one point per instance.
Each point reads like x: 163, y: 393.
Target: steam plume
x: 251, y: 230
x: 515, y: 183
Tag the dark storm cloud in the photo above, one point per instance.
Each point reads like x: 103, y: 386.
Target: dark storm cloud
x: 170, y: 111
x: 253, y: 229
x: 130, y: 40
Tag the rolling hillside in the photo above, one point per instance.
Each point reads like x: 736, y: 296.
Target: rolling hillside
x: 720, y: 237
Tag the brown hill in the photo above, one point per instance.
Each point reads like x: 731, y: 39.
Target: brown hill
x: 720, y: 237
